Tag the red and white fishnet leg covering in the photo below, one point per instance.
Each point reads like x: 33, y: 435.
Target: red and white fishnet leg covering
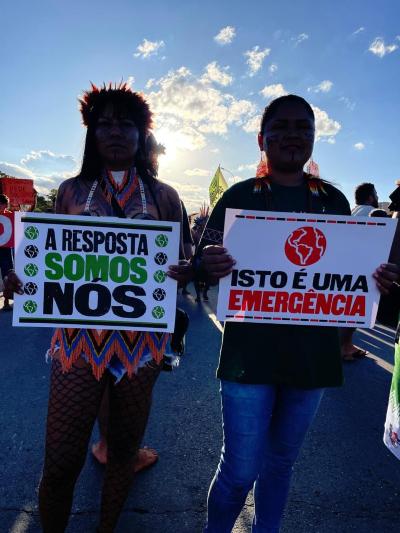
x: 130, y: 402
x: 74, y: 401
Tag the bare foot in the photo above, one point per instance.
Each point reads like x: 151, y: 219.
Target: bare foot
x: 145, y: 458
x: 348, y: 351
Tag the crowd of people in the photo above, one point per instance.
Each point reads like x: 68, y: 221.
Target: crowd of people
x: 272, y: 376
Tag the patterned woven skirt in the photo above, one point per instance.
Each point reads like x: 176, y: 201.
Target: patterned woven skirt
x: 99, y: 347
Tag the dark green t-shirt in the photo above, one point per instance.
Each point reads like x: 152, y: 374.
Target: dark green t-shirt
x: 299, y: 356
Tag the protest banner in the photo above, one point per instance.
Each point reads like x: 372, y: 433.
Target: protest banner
x: 303, y: 269
x: 20, y: 191
x: 7, y: 230
x: 95, y: 273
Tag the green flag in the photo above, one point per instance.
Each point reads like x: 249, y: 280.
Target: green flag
x: 217, y: 187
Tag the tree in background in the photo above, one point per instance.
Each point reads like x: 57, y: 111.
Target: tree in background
x: 45, y: 204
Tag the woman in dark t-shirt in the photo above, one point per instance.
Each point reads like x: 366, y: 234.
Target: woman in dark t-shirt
x: 272, y: 376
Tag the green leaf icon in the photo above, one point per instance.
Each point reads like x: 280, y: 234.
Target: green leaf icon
x: 31, y: 232
x: 161, y: 240
x: 30, y: 306
x: 160, y: 276
x: 31, y: 270
x: 158, y: 312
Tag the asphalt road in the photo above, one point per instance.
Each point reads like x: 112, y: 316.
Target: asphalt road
x: 345, y: 479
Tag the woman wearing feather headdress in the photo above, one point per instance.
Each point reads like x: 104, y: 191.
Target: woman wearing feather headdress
x: 118, y: 177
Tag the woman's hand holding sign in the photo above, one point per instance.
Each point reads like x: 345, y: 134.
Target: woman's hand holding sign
x: 217, y: 263
x: 182, y: 272
x: 12, y: 284
x: 386, y: 277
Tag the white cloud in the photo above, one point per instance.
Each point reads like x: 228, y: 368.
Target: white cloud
x: 42, y: 183
x: 215, y: 73
x: 214, y: 150
x: 47, y: 163
x: 197, y: 172
x: 193, y: 195
x: 273, y: 68
x: 378, y: 47
x: 250, y: 166
x: 359, y: 146
x: 347, y: 102
x: 231, y: 180
x: 300, y: 38
x: 225, y: 35
x: 252, y: 125
x: 255, y: 58
x: 360, y: 30
x: 150, y: 83
x: 46, y: 168
x: 273, y: 91
x: 130, y: 81
x: 325, y: 127
x: 175, y: 135
x: 187, y: 109
x: 148, y: 48
x: 323, y: 87
x: 16, y: 171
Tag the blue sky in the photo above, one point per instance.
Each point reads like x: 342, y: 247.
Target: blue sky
x: 208, y: 69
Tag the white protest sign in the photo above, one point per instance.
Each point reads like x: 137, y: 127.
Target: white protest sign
x: 6, y: 230
x: 303, y: 269
x: 96, y: 273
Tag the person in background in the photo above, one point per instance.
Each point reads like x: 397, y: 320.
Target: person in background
x: 381, y: 213
x: 366, y: 199
x: 197, y: 231
x: 6, y: 254
x: 187, y: 241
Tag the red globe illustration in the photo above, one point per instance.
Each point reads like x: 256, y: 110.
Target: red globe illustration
x: 305, y: 246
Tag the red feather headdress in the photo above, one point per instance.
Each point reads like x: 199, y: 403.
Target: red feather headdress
x: 94, y: 100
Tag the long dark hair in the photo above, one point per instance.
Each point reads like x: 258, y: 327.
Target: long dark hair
x: 126, y: 103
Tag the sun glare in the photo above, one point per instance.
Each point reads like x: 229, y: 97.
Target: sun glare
x: 170, y: 140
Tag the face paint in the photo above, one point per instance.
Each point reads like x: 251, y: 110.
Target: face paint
x: 117, y: 139
x: 289, y: 142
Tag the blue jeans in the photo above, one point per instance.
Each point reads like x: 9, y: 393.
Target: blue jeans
x: 264, y: 427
